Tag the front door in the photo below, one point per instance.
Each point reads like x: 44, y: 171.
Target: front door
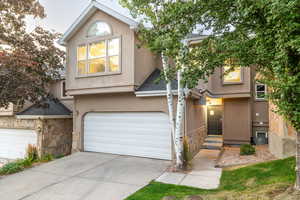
x: 214, y: 119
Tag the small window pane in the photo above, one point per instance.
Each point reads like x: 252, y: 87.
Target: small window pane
x: 81, y: 53
x: 99, y: 29
x: 81, y: 65
x: 232, y: 76
x: 114, y: 64
x: 96, y: 65
x: 113, y: 47
x: 260, y: 88
x: 97, y: 49
x: 260, y: 95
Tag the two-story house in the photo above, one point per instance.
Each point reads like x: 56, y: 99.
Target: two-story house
x: 119, y: 109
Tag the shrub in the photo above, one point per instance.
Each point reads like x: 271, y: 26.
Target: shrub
x: 247, y: 149
x: 12, y: 167
x: 46, y: 158
x: 32, y: 153
x: 187, y: 156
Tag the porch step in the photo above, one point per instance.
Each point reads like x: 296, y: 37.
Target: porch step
x: 213, y: 142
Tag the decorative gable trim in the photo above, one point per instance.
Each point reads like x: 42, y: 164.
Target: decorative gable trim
x: 88, y: 12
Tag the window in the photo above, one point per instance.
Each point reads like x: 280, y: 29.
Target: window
x: 99, y: 29
x: 232, y: 73
x: 260, y: 91
x: 99, y: 57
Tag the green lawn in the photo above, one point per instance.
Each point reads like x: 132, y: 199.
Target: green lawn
x: 265, y: 178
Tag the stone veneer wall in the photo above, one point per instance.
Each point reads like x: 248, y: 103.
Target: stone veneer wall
x: 54, y: 135
x: 282, y: 137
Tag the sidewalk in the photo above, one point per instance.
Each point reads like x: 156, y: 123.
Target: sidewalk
x: 204, y: 174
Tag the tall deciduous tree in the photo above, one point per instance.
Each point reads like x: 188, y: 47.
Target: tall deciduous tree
x: 170, y: 24
x: 28, y: 61
x: 265, y: 34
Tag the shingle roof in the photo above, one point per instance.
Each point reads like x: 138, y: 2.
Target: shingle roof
x: 46, y: 108
x: 151, y: 83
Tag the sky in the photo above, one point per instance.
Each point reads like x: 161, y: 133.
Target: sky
x: 60, y: 14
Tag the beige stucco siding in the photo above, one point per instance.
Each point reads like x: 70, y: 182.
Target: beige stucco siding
x: 237, y: 121
x: 216, y: 86
x: 56, y: 91
x: 125, y: 79
x: 145, y: 62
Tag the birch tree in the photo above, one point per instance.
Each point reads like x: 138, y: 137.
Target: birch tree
x: 171, y: 22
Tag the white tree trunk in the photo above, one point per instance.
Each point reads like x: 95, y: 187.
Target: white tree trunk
x: 169, y: 95
x: 297, y: 184
x: 179, y: 123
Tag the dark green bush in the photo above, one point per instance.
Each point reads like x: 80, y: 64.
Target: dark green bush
x: 46, y: 158
x: 12, y: 167
x: 247, y: 149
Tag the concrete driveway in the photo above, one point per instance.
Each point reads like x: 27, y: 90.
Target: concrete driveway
x: 83, y: 176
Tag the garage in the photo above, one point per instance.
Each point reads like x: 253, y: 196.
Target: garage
x: 142, y: 134
x: 14, y: 142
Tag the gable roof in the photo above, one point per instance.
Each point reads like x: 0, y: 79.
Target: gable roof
x: 110, y: 7
x: 153, y: 84
x: 48, y: 107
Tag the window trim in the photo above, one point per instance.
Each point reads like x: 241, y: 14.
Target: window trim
x: 106, y: 72
x: 62, y: 90
x: 95, y: 36
x: 233, y: 83
x: 265, y: 132
x: 256, y: 97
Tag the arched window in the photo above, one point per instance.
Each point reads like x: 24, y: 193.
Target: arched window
x: 99, y: 29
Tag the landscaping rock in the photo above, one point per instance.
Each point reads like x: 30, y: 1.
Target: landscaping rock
x: 193, y: 197
x: 169, y: 198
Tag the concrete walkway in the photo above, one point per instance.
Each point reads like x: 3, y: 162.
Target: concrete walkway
x: 83, y: 176
x: 204, y: 174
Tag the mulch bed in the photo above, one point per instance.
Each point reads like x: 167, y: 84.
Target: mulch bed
x: 231, y: 157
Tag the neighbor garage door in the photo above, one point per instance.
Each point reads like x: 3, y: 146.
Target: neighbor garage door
x: 144, y: 134
x: 14, y: 142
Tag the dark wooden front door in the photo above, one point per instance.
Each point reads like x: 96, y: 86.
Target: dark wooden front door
x: 214, y: 119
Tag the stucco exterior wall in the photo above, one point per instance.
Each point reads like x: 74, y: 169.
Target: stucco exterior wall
x: 195, y: 126
x: 282, y: 136
x: 56, y: 91
x: 237, y: 127
x: 145, y: 62
x: 120, y: 82
x: 215, y: 84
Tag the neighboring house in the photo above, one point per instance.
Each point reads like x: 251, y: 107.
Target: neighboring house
x: 119, y: 109
x: 48, y: 126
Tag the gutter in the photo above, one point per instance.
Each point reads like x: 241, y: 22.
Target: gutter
x: 44, y: 116
x: 154, y: 93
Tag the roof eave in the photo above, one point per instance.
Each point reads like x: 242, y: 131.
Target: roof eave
x: 88, y: 12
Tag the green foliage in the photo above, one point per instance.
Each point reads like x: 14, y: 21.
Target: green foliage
x: 251, y: 178
x: 12, y: 167
x: 32, y: 153
x: 247, y: 149
x: 46, y: 158
x: 187, y: 156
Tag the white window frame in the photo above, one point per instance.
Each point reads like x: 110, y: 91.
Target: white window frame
x: 62, y: 91
x: 265, y: 132
x: 106, y: 71
x: 99, y: 21
x: 256, y: 92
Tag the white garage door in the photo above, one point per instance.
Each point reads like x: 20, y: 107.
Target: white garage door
x: 144, y: 134
x: 14, y: 142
